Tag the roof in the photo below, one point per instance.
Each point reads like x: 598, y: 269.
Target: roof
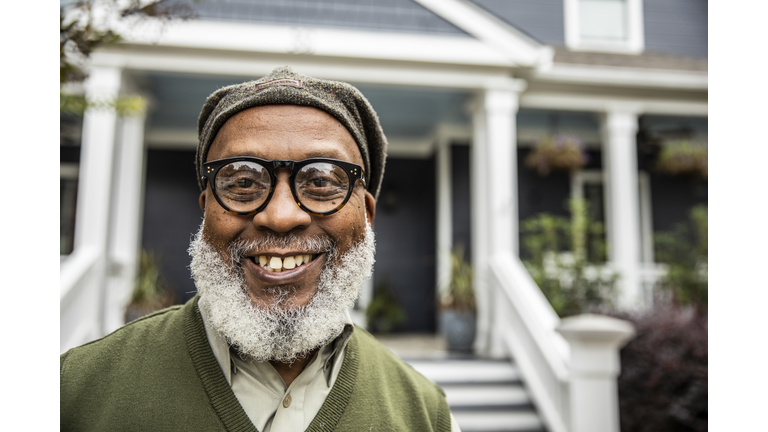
x: 389, y: 15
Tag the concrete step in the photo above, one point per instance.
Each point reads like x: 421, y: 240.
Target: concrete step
x: 485, y: 395
x: 466, y: 371
x: 494, y: 421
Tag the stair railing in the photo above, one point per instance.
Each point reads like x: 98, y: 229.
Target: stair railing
x: 524, y: 326
x: 570, y: 366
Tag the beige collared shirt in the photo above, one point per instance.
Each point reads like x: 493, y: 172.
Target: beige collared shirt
x: 269, y: 403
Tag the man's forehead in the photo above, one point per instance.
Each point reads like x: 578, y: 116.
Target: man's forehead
x: 285, y: 132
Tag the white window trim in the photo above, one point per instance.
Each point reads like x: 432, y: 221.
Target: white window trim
x: 646, y: 228
x: 635, y: 43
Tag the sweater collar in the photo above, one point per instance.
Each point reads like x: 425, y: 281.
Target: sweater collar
x: 330, y: 353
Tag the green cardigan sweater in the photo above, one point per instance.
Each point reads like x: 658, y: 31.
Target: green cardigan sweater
x: 158, y: 373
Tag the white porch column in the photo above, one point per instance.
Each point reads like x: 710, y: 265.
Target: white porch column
x: 622, y: 201
x: 82, y: 302
x: 594, y: 367
x: 444, y: 215
x: 125, y: 231
x: 494, y: 197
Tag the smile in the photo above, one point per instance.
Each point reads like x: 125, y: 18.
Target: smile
x: 278, y: 264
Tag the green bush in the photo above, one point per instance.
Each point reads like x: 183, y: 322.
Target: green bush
x: 685, y: 253
x: 565, y: 258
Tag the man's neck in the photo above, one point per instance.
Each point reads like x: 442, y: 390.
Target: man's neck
x: 289, y: 371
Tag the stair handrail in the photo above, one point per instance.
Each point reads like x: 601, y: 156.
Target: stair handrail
x: 529, y: 334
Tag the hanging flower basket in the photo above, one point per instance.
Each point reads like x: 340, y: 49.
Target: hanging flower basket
x: 557, y: 153
x: 683, y: 158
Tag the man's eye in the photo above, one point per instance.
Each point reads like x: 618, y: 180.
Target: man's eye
x: 244, y: 183
x: 321, y: 182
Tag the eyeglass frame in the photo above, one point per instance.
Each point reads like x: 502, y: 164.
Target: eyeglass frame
x: 354, y: 172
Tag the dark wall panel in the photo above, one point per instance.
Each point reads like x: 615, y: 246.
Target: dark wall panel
x: 676, y: 26
x: 672, y: 199
x: 405, y: 239
x: 172, y: 215
x: 461, y: 198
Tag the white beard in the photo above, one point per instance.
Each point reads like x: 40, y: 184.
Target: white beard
x: 281, y: 331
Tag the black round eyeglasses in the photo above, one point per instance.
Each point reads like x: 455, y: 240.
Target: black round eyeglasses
x: 244, y: 185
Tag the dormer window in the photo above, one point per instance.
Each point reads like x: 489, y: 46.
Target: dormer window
x: 604, y: 25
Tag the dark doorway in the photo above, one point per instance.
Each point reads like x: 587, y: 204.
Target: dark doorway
x: 405, y: 241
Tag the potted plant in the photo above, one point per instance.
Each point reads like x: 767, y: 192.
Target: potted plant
x: 683, y: 158
x: 458, y: 308
x: 384, y: 311
x: 150, y: 292
x: 557, y: 153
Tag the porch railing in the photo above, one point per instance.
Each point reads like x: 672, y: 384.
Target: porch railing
x: 570, y: 366
x: 80, y: 300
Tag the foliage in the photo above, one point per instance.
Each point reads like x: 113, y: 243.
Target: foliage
x: 86, y: 25
x: 123, y: 106
x: 384, y: 311
x: 150, y: 291
x: 565, y: 259
x: 683, y: 158
x: 685, y: 253
x: 557, y: 152
x: 460, y: 293
x: 663, y: 381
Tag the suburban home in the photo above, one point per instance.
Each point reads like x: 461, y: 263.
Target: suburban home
x: 464, y: 90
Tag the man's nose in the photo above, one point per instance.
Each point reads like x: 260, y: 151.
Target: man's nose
x: 282, y: 214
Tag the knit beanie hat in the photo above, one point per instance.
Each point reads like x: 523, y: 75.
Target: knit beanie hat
x: 284, y: 87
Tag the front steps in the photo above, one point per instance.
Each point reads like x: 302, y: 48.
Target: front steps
x: 485, y: 395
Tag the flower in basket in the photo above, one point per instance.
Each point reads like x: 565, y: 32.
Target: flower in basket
x: 683, y: 158
x: 558, y: 152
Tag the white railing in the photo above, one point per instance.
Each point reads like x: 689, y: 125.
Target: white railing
x: 570, y: 366
x: 525, y: 323
x: 81, y: 280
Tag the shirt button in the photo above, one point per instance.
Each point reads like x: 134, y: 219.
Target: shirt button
x: 287, y: 401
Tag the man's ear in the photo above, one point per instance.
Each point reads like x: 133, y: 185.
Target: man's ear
x: 370, y: 207
x: 202, y: 201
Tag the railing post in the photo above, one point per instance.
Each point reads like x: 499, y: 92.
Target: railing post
x: 595, y: 365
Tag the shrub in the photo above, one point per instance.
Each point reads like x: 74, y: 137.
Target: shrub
x: 685, y: 253
x: 663, y: 381
x: 566, y: 258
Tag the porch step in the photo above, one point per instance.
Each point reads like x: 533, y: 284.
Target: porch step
x: 485, y: 395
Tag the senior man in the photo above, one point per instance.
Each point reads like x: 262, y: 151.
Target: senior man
x: 289, y: 167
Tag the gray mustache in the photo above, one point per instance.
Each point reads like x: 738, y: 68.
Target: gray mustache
x: 315, y: 244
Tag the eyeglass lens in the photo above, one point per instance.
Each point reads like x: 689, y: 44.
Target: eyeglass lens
x: 244, y: 186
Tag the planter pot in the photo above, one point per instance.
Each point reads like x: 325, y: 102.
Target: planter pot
x: 459, y: 330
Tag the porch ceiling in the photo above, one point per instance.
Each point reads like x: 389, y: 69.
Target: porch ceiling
x: 406, y: 114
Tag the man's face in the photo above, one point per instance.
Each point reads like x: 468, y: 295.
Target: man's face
x: 293, y: 133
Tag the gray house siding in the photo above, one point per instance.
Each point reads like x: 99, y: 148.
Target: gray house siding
x: 540, y: 19
x: 390, y: 15
x: 676, y: 26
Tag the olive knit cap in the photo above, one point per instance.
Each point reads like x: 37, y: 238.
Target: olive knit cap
x: 284, y: 87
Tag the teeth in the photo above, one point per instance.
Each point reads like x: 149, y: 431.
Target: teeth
x: 289, y: 263
x: 276, y: 264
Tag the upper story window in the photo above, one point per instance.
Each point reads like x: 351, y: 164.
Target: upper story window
x: 604, y: 25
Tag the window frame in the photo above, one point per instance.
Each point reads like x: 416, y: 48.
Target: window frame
x: 634, y: 44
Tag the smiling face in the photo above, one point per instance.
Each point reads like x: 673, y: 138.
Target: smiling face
x: 277, y: 242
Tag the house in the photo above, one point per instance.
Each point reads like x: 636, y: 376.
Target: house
x: 463, y: 88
